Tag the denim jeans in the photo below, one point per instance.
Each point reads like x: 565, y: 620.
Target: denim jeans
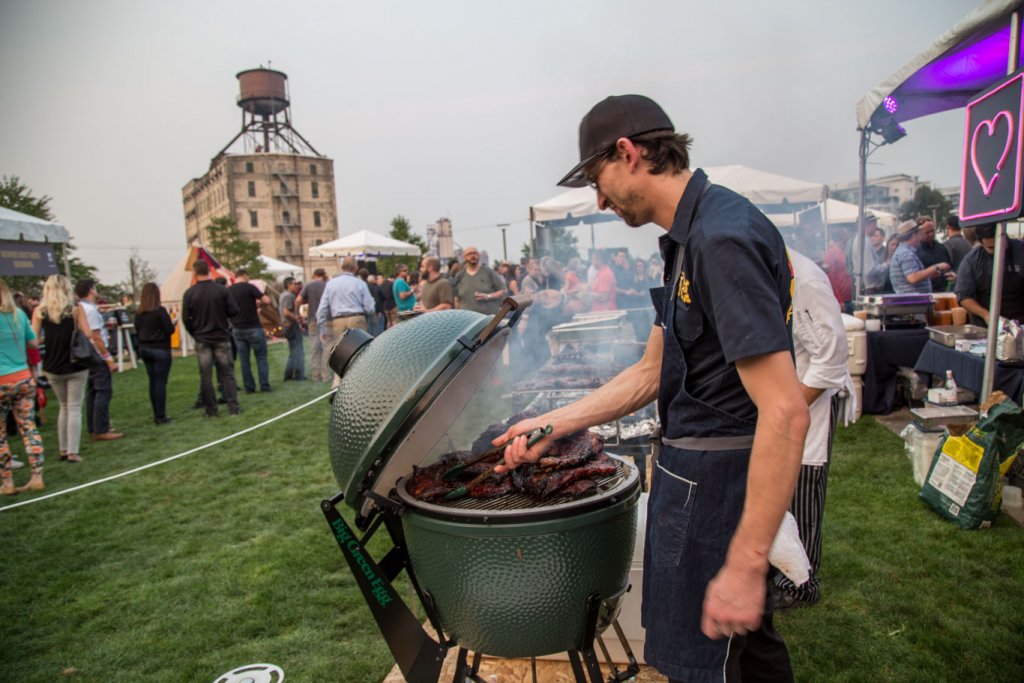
x: 295, y: 367
x: 158, y: 367
x: 208, y: 353
x: 247, y: 338
x: 98, y: 393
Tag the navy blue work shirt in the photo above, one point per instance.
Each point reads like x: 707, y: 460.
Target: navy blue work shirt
x: 733, y: 300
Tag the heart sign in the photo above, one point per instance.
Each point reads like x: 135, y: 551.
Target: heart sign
x: 990, y: 128
x: 991, y: 168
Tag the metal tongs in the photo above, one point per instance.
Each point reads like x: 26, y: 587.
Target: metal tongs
x: 535, y: 436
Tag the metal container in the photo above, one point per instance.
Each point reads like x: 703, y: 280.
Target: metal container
x: 947, y: 335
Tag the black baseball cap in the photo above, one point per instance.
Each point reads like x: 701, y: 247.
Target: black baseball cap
x: 618, y: 116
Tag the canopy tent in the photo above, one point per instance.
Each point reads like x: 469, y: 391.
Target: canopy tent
x: 976, y: 53
x: 578, y: 205
x: 280, y: 268
x: 837, y: 213
x: 363, y: 244
x: 16, y: 226
x: 957, y: 65
x: 181, y: 278
x: 762, y: 187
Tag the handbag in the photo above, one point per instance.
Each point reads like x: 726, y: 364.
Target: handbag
x: 83, y: 354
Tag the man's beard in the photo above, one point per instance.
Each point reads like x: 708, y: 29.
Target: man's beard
x: 632, y: 210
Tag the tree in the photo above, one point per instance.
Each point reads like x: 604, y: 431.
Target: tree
x: 17, y: 196
x: 927, y: 201
x: 139, y: 273
x: 227, y: 245
x: 564, y: 245
x: 401, y: 230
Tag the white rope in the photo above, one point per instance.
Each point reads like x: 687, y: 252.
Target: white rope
x: 169, y: 459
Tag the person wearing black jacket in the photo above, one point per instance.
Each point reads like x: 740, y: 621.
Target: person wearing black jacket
x: 207, y: 309
x: 154, y: 328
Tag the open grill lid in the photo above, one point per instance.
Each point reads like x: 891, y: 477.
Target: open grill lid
x: 401, y: 392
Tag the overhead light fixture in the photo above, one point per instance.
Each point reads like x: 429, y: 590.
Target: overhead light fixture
x: 891, y: 132
x: 890, y: 104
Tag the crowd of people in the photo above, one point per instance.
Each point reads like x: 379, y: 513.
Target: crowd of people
x: 913, y: 260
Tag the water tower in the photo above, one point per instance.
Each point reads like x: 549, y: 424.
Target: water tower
x: 266, y: 119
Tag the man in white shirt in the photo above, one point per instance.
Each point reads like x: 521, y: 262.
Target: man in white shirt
x: 100, y: 388
x: 819, y: 343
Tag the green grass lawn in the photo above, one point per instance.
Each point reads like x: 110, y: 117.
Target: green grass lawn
x: 222, y: 558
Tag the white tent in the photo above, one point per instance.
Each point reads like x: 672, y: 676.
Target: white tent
x: 761, y: 187
x: 280, y: 268
x: 578, y: 203
x: 16, y: 226
x: 836, y: 212
x: 362, y: 244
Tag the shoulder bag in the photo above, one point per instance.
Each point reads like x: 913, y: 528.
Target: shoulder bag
x: 83, y: 354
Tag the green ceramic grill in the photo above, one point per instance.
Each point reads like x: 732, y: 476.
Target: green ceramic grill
x: 509, y: 576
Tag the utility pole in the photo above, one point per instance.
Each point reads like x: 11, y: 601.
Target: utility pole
x: 504, y: 246
x: 131, y: 271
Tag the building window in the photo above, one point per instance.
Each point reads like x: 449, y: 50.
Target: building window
x: 287, y: 246
x: 319, y: 242
x: 252, y: 188
x: 284, y: 188
x: 312, y: 169
x: 315, y: 189
x: 287, y: 218
x: 253, y: 222
x: 316, y: 219
x: 248, y: 167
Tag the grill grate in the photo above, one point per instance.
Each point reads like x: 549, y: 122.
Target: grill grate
x: 520, y: 501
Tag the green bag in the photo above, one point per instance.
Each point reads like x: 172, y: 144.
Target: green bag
x: 963, y: 480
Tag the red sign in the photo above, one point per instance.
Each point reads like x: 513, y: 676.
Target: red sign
x: 990, y: 185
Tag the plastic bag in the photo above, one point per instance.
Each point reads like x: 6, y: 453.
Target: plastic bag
x: 963, y: 480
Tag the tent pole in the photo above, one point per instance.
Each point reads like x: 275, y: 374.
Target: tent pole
x: 858, y: 254
x: 67, y: 262
x: 999, y: 258
x: 828, y: 230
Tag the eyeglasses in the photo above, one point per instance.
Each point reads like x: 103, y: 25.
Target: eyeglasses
x: 592, y: 177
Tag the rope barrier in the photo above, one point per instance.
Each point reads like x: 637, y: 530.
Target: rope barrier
x: 170, y: 458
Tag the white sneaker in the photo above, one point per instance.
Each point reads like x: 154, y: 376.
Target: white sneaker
x: 16, y: 464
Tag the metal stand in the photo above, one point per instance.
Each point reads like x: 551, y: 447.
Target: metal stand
x: 419, y: 656
x: 124, y: 340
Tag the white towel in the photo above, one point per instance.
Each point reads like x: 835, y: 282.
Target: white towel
x: 787, y: 553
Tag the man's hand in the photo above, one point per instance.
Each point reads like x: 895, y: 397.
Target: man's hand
x: 517, y: 453
x: 734, y: 602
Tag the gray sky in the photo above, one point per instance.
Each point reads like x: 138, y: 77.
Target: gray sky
x: 466, y: 109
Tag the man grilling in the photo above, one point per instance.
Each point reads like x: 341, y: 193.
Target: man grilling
x: 721, y: 366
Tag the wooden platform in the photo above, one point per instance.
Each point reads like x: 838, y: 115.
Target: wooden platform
x: 494, y: 670
x: 497, y: 670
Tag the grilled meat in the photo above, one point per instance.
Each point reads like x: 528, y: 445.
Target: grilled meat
x: 569, y: 468
x: 428, y: 483
x: 571, y: 451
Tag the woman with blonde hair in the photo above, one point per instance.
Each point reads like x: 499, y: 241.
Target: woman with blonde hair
x: 17, y: 393
x: 56, y: 317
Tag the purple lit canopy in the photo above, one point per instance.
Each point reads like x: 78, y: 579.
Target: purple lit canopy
x: 958, y: 64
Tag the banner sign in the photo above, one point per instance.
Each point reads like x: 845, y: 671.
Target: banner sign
x: 990, y: 183
x: 27, y: 258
